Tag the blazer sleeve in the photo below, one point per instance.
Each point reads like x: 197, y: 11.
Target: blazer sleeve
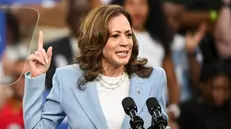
x: 37, y: 115
x: 161, y: 93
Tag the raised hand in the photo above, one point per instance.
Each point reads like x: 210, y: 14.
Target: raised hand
x: 39, y: 61
x: 193, y: 40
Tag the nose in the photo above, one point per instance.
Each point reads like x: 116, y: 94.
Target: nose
x: 136, y: 5
x: 124, y: 41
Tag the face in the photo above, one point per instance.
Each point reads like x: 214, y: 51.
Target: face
x: 220, y: 90
x: 138, y: 9
x: 118, y: 48
x: 173, y: 12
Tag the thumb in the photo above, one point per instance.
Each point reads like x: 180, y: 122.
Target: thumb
x: 49, y: 53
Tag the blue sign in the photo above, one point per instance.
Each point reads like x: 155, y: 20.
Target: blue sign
x: 7, y: 2
x: 2, y: 33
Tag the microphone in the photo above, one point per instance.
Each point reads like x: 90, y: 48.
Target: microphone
x: 130, y: 109
x: 154, y: 108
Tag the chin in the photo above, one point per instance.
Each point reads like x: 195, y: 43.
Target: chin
x: 121, y: 62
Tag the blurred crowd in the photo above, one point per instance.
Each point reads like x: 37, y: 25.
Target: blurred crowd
x: 190, y: 39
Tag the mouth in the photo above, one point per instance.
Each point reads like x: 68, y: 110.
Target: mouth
x: 122, y: 54
x: 138, y: 17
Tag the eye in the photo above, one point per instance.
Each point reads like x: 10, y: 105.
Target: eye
x: 129, y: 35
x: 115, y: 36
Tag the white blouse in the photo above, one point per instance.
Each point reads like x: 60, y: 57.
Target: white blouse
x: 111, y: 99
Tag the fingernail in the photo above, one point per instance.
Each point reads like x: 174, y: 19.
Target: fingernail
x: 47, y: 60
x: 44, y: 63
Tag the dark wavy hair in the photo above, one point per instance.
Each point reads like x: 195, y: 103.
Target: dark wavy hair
x: 156, y: 23
x: 93, y: 35
x: 12, y: 24
x: 75, y: 14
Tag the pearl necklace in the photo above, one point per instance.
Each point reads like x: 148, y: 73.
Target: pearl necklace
x: 111, y: 86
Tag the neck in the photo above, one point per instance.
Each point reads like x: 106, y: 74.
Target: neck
x: 112, y: 71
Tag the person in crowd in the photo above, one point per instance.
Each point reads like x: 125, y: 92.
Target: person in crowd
x: 14, y: 50
x: 212, y: 44
x: 11, y: 113
x: 186, y: 61
x: 90, y: 92
x: 210, y: 110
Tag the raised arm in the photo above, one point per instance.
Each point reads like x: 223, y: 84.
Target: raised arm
x: 37, y: 115
x: 194, y: 18
x: 223, y: 30
x: 192, y: 47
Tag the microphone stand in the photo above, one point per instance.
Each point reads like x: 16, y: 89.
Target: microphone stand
x: 136, y: 123
x: 158, y: 123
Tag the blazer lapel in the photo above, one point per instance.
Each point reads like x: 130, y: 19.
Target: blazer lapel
x: 89, y: 101
x: 139, y: 91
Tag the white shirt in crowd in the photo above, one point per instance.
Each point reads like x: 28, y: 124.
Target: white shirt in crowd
x: 150, y: 49
x: 60, y: 60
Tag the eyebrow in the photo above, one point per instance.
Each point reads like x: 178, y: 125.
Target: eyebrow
x: 127, y: 31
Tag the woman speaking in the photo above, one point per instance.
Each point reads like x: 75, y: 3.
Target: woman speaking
x: 90, y: 92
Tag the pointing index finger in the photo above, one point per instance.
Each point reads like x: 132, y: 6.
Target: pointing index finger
x: 40, y: 41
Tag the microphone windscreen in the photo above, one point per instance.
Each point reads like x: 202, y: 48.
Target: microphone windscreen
x: 153, y: 104
x: 128, y: 104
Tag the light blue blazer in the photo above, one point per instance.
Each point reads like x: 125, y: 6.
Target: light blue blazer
x: 82, y: 108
